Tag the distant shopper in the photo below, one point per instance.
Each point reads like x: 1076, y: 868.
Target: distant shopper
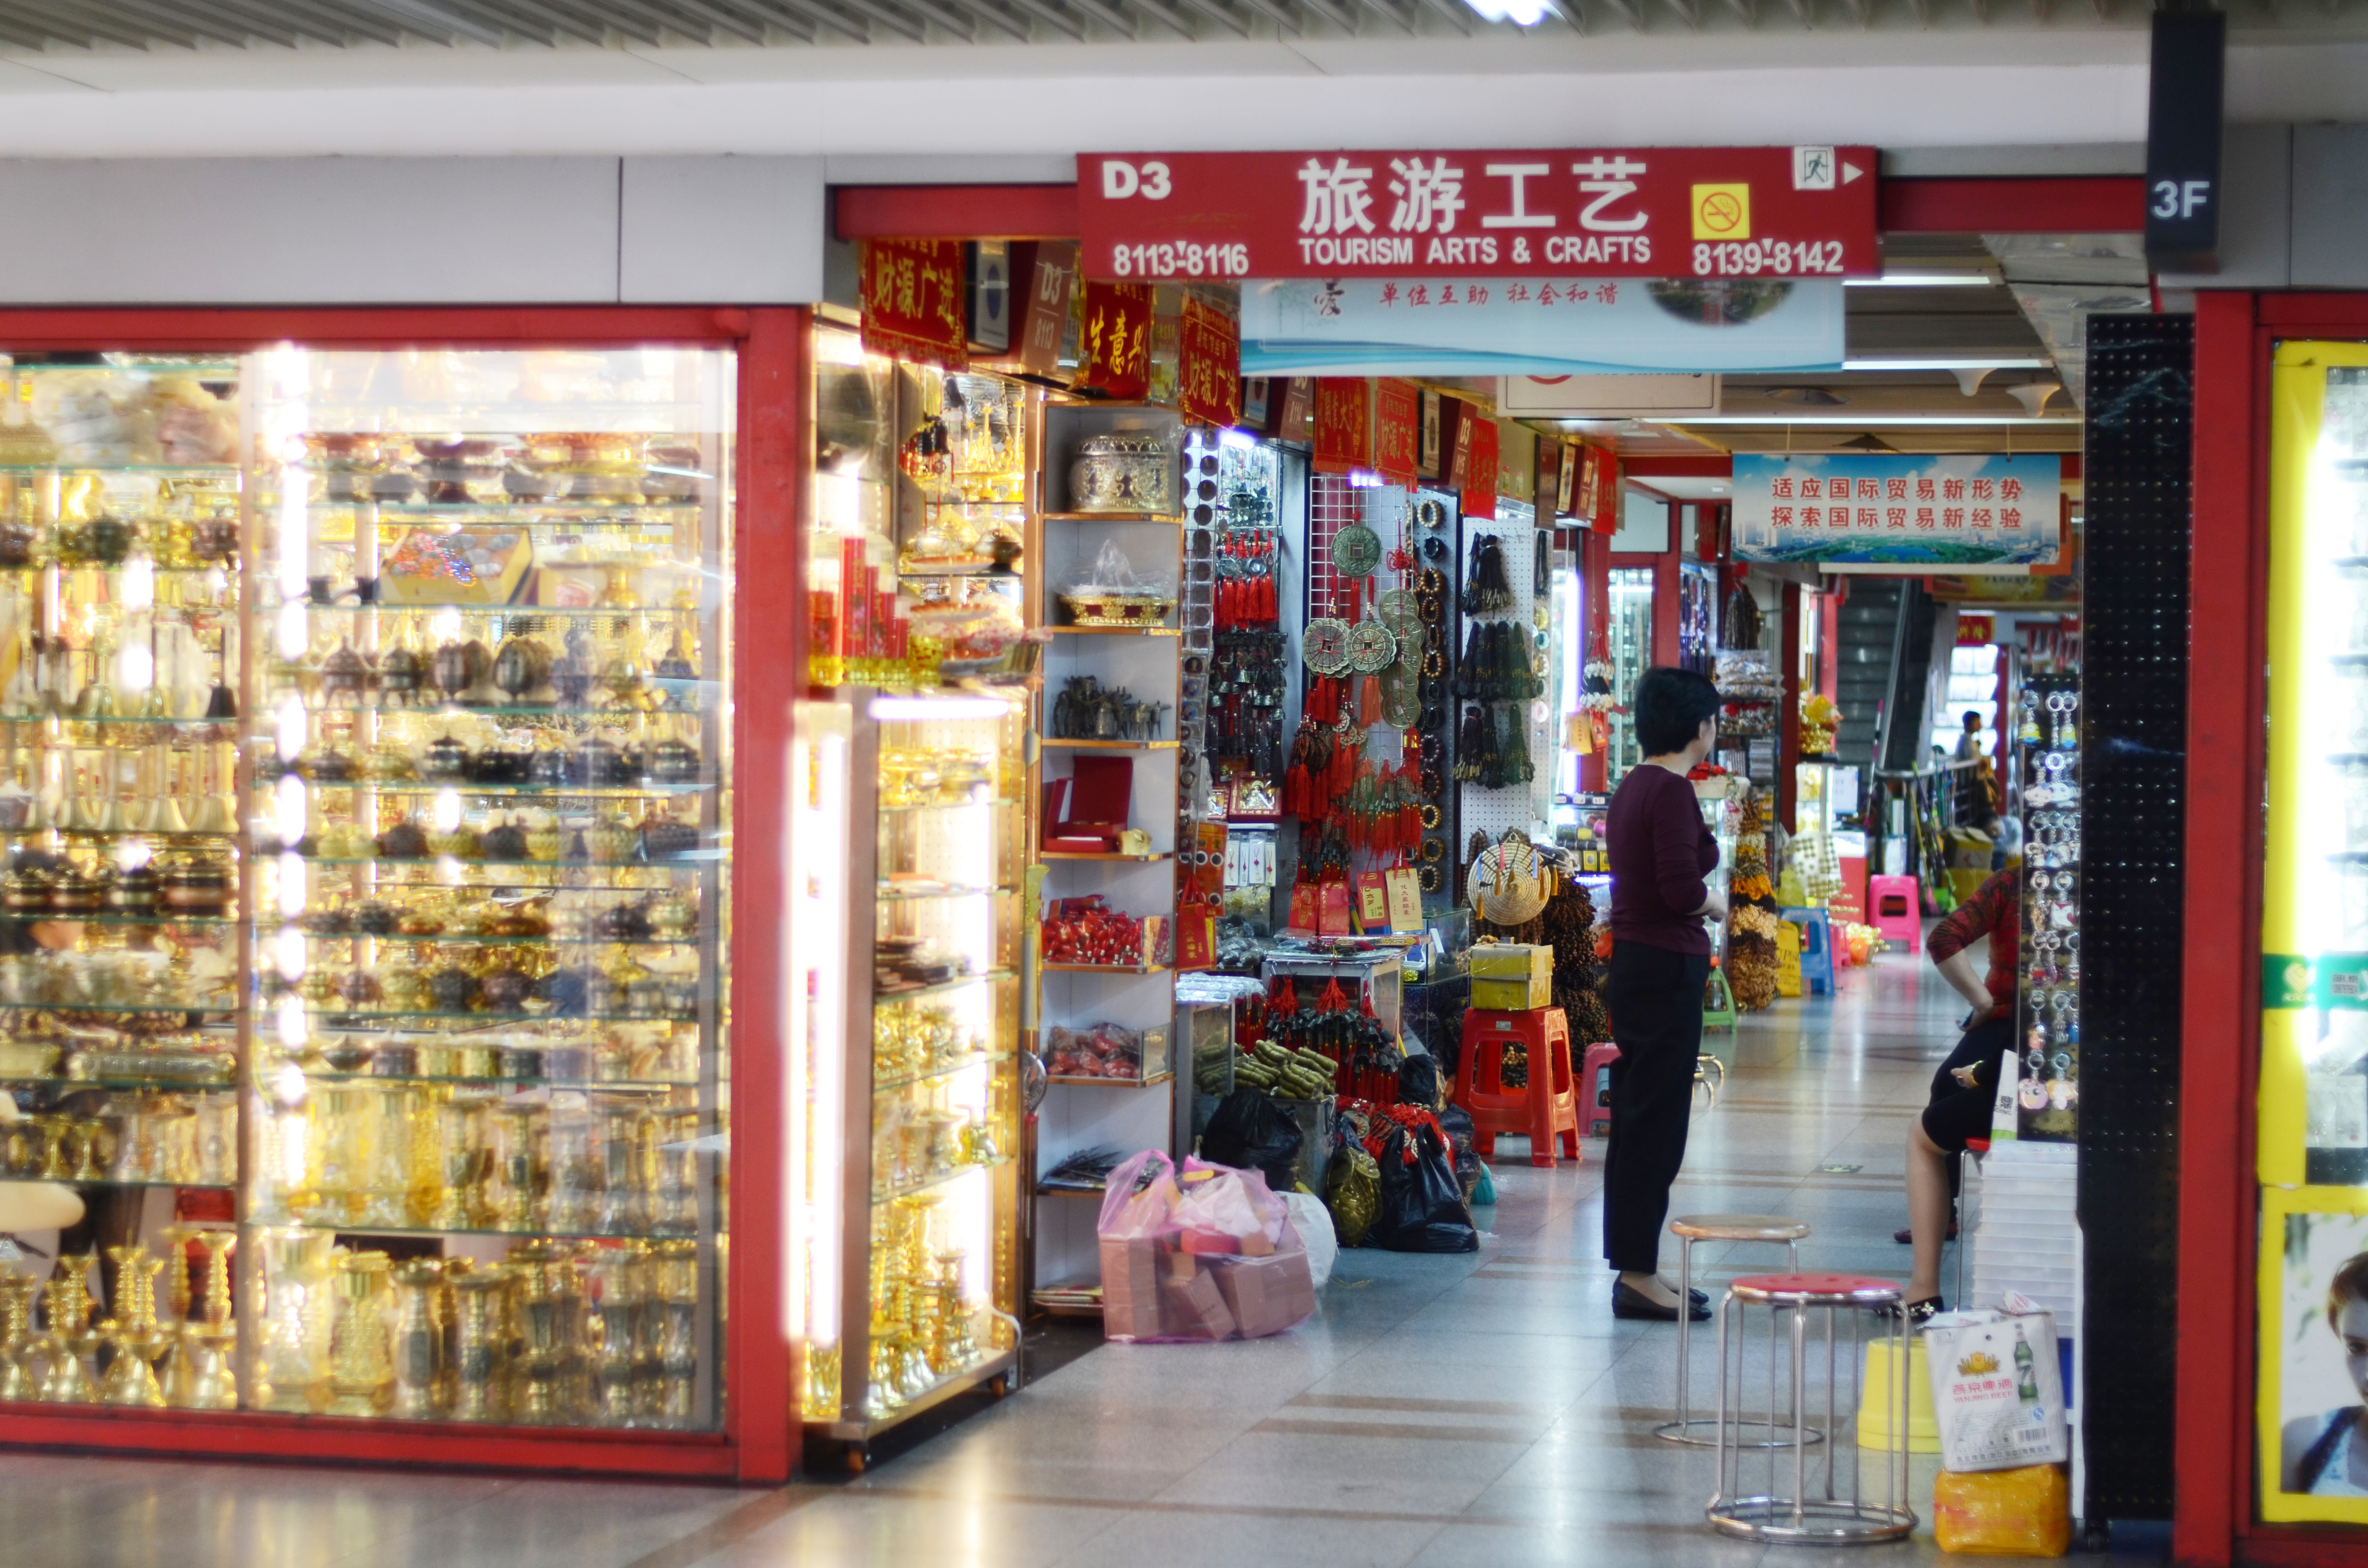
x: 1661, y: 853
x: 2325, y: 1455
x: 1969, y: 744
x: 1966, y: 1085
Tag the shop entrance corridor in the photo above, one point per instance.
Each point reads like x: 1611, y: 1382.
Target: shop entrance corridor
x: 1483, y: 1409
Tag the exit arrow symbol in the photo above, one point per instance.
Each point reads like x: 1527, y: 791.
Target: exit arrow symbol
x: 1850, y: 172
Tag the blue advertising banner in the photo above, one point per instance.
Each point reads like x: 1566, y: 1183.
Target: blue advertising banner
x: 1518, y: 326
x: 1943, y: 513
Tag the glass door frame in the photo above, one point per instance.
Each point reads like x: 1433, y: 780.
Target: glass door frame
x: 2216, y: 1520
x: 759, y: 1437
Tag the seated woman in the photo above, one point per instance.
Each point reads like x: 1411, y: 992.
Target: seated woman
x: 1966, y: 1083
x: 2322, y: 1455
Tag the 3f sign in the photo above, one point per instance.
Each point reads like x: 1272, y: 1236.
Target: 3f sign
x: 2172, y: 198
x: 1121, y: 180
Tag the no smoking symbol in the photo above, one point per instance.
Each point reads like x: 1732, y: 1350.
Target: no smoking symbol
x: 1722, y: 212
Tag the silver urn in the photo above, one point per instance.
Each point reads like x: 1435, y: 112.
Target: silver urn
x: 1123, y: 473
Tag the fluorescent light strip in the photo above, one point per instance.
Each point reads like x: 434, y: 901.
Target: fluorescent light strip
x: 1866, y: 421
x: 1923, y: 280
x: 1993, y: 364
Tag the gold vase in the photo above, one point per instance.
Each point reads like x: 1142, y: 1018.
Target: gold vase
x: 202, y: 1375
x: 614, y: 1280
x: 675, y: 1286
x: 479, y: 1300
x: 544, y: 1307
x: 291, y: 1367
x: 418, y: 1338
x: 361, y: 1342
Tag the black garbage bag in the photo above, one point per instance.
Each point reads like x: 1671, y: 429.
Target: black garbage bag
x: 1250, y: 1132
x: 1419, y: 1082
x: 1456, y: 1122
x: 1422, y: 1206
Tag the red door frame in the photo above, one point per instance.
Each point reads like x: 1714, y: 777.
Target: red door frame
x: 758, y: 1442
x: 2214, y: 1523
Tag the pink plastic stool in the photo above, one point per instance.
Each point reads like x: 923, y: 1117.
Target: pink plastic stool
x: 1594, y: 1094
x: 1893, y: 909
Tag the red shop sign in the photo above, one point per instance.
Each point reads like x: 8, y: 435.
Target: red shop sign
x: 1209, y: 366
x: 1632, y: 213
x: 1344, y: 425
x: 1478, y: 484
x: 1397, y: 421
x: 914, y: 306
x: 1114, y: 351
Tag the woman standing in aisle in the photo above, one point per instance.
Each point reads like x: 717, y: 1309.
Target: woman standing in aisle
x: 1661, y: 853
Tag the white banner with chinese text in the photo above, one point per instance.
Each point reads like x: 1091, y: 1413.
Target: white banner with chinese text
x: 1499, y: 326
x: 1910, y: 513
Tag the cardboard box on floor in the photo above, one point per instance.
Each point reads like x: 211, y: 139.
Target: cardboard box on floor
x: 1150, y: 1290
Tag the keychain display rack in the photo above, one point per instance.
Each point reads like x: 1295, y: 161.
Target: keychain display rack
x: 2047, y: 750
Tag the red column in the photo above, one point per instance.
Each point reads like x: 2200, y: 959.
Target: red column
x: 1665, y: 600
x: 769, y: 555
x: 2221, y: 1002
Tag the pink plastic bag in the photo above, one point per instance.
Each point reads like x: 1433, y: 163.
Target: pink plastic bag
x: 1203, y: 1253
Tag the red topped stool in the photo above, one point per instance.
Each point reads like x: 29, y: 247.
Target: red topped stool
x: 1546, y: 1108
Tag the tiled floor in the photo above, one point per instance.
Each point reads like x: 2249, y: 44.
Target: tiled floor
x: 1483, y: 1409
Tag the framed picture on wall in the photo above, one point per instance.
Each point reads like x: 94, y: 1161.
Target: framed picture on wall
x: 1426, y: 448
x: 1566, y: 476
x: 1254, y: 402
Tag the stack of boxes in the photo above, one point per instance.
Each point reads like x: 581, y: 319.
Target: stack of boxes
x: 1512, y: 977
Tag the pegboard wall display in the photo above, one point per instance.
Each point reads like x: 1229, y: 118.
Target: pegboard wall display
x: 1505, y: 744
x: 2132, y: 763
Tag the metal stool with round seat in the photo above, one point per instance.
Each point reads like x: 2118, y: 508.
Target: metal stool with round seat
x: 1773, y: 1230
x: 1788, y: 1512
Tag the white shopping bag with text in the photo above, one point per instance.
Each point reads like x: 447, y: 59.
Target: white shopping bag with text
x: 1996, y: 1389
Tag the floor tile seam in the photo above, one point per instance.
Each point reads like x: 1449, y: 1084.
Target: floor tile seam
x: 1158, y: 1504
x: 718, y: 1536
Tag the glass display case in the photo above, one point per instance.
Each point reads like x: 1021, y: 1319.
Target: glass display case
x: 119, y: 956
x: 908, y: 855
x: 1631, y: 642
x: 488, y: 688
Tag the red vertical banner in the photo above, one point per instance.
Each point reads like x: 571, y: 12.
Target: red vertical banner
x: 1599, y: 491
x: 1114, y: 348
x: 1397, y: 431
x: 1547, y: 488
x: 914, y: 301
x: 1343, y: 424
x: 1479, y: 483
x: 1208, y: 370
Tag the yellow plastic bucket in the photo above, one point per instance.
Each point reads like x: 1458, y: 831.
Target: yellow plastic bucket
x: 1878, y: 1399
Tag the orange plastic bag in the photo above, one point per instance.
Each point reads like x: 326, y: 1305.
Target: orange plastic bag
x: 2025, y: 1511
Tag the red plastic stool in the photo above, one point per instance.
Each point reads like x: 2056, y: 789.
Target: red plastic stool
x: 1546, y: 1108
x: 1595, y: 1095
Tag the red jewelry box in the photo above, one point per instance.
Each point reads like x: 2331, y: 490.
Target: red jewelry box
x: 1084, y: 812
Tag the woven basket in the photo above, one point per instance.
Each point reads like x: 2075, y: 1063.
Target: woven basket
x: 1510, y: 883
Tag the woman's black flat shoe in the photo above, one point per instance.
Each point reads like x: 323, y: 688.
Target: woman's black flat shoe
x: 1632, y: 1304
x: 1921, y: 1312
x: 1698, y: 1297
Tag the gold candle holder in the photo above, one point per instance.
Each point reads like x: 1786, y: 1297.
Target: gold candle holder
x: 16, y: 1341
x: 71, y: 1339
x: 202, y: 1375
x: 138, y: 1338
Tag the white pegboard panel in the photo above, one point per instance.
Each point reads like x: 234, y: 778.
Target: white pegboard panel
x: 1528, y: 808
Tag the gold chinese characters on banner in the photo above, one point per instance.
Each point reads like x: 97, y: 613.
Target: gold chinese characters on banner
x: 1208, y: 382
x: 1114, y: 348
x: 914, y: 301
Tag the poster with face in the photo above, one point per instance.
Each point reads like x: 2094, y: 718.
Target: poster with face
x: 2313, y: 1354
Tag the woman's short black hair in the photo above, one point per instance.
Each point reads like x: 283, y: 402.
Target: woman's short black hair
x: 1669, y: 706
